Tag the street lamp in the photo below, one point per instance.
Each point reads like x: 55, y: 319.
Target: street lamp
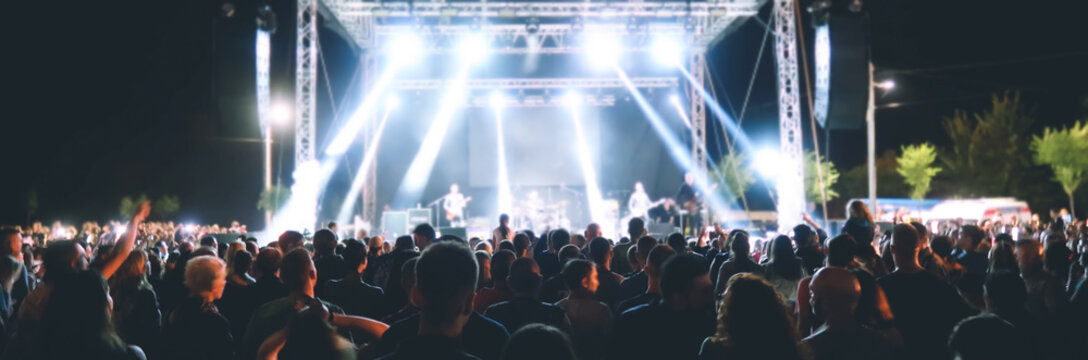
x: 870, y: 130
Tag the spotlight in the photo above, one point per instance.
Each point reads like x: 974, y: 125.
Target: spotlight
x: 572, y: 100
x: 667, y: 51
x: 477, y: 24
x: 406, y: 48
x: 674, y: 99
x: 392, y: 102
x: 603, y: 49
x: 280, y: 114
x: 767, y: 162
x: 532, y: 26
x: 886, y: 85
x: 498, y: 100
x: 474, y: 48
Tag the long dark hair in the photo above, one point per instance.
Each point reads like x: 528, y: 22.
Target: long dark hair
x: 755, y: 322
x: 783, y: 262
x: 77, y: 313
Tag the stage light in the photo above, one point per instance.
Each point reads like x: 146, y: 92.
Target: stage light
x: 348, y: 206
x: 767, y: 162
x: 585, y: 160
x: 532, y: 26
x: 602, y: 49
x: 280, y: 114
x: 406, y: 48
x: 572, y: 100
x: 667, y: 51
x: 886, y: 85
x: 392, y: 102
x: 674, y: 99
x: 498, y: 100
x: 474, y: 49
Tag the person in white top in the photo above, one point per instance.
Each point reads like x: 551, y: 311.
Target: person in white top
x: 454, y: 204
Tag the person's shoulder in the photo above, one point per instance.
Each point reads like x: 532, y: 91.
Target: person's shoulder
x: 333, y: 307
x: 711, y: 349
x: 486, y: 324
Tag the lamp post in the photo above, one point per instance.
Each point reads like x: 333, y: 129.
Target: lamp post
x: 870, y: 130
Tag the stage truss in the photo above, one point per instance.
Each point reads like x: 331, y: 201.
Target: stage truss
x: 554, y: 26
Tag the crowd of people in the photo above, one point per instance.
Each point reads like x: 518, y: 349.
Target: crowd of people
x: 152, y: 292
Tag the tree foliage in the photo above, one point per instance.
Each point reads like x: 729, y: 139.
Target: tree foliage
x: 165, y: 206
x: 128, y: 206
x: 734, y: 176
x: 988, y: 152
x: 1064, y: 151
x: 914, y: 167
x: 274, y: 198
x: 812, y: 181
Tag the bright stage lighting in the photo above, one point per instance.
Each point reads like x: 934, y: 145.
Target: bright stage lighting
x: 675, y: 101
x: 572, y: 100
x: 767, y: 162
x: 585, y: 159
x: 498, y: 100
x: 474, y: 49
x: 406, y: 48
x: 348, y: 206
x: 391, y: 102
x: 280, y: 114
x: 667, y: 51
x: 886, y: 85
x: 602, y: 49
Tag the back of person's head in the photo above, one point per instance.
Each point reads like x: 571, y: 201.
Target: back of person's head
x: 738, y: 244
x: 309, y: 335
x: 521, y: 243
x: 538, y: 342
x: 754, y: 321
x: 242, y: 261
x: 840, y: 250
x: 657, y: 258
x: 678, y: 243
x: 355, y: 255
x: 503, y: 219
x: 500, y: 264
x: 1002, y: 257
x: 635, y: 227
x: 290, y: 240
x: 205, y: 250
x: 404, y: 242
x: 578, y: 240
x: 426, y: 232
x: 208, y: 240
x: 575, y: 271
x: 1005, y: 291
x: 451, y: 237
x: 133, y: 272
x: 941, y: 246
x: 923, y: 232
x: 446, y: 275
x: 802, y: 235
x: 62, y: 257
x: 905, y: 240
x: 408, y: 273
x: 600, y: 250
x: 984, y: 337
x: 524, y: 276
x: 558, y: 239
x: 782, y: 249
x: 76, y: 311
x: 297, y: 271
x: 506, y: 245
x: 856, y: 209
x: 1029, y: 254
x: 268, y: 261
x: 569, y: 252
x: 643, y: 246
x: 835, y: 292
x: 679, y: 273
x: 205, y: 274
x: 974, y: 234
x: 324, y: 242
x: 485, y: 247
x: 632, y: 258
x: 10, y: 269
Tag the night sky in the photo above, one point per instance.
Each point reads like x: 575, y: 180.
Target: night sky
x: 114, y: 98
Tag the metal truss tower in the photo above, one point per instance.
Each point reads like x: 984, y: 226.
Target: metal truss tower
x: 790, y: 181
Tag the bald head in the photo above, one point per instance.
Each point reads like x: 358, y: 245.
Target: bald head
x: 835, y: 293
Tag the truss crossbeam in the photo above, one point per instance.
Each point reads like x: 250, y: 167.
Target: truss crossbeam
x: 540, y: 83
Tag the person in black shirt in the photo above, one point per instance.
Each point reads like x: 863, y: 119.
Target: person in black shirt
x: 673, y: 327
x: 807, y: 248
x: 986, y: 336
x: 554, y: 288
x: 524, y: 308
x: 268, y: 286
x: 658, y: 255
x: 636, y: 284
x: 329, y: 264
x: 195, y: 329
x: 600, y: 252
x: 445, y: 285
x: 549, y: 261
x: 351, y: 293
x: 739, y: 261
x: 135, y: 305
x: 925, y: 307
x: 835, y: 295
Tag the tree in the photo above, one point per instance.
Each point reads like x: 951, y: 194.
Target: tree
x: 274, y: 198
x: 988, y: 151
x: 128, y: 206
x: 914, y: 167
x: 733, y: 176
x: 812, y: 183
x: 165, y: 206
x: 1064, y: 151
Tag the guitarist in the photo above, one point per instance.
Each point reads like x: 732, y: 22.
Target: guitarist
x: 454, y: 203
x: 639, y: 203
x: 691, y: 201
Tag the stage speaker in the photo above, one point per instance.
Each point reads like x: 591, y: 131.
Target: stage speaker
x: 395, y: 223
x: 456, y: 231
x: 419, y: 216
x: 841, y: 56
x: 660, y: 231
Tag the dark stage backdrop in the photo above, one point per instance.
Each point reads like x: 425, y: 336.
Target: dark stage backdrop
x: 541, y: 146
